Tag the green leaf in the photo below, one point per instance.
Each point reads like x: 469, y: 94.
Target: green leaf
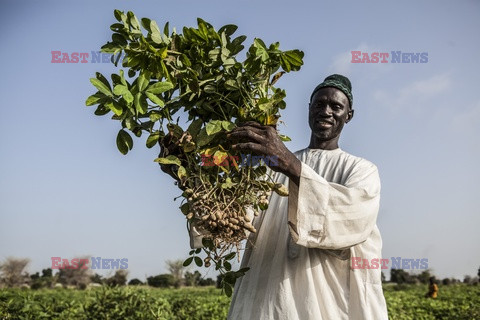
x: 284, y: 137
x: 207, y: 243
x: 122, y: 78
x: 230, y: 256
x: 182, y: 172
x: 101, y: 110
x: 184, y: 59
x: 203, y: 138
x: 175, y: 130
x: 116, y: 79
x: 101, y: 86
x: 209, y: 88
x: 228, y: 289
x: 130, y: 123
x: 119, y: 39
x: 227, y: 184
x: 169, y: 160
x: 236, y: 45
x: 291, y: 60
x: 185, y: 208
x: 153, y: 139
x: 160, y: 87
x: 260, y: 49
x: 115, y: 60
x: 229, y: 29
x: 219, y: 157
x: 133, y: 20
x: 241, y: 272
x: 155, y: 32
x: 227, y: 125
x: 146, y: 23
x: 198, y: 261
x: 202, y: 27
x: 122, y: 90
x: 227, y: 266
x: 110, y: 47
x: 94, y: 99
x: 102, y: 79
x: 264, y: 104
x: 117, y: 27
x: 115, y: 107
x: 155, y: 99
x: 141, y: 104
x: 118, y: 14
x: 187, y: 262
x: 124, y: 142
x: 142, y: 81
x: 155, y: 116
x: 194, y: 127
x: 165, y: 29
x: 213, y: 126
x: 231, y: 85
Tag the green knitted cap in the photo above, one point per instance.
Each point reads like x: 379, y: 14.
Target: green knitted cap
x: 337, y: 81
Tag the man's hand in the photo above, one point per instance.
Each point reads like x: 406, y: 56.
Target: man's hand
x: 263, y: 140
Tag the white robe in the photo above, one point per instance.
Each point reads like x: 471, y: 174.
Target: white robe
x: 299, y: 259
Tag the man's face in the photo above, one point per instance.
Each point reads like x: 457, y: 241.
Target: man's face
x: 328, y: 112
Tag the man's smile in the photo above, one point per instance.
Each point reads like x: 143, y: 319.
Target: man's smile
x: 324, y: 123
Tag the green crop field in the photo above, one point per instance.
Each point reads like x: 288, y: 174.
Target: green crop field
x: 456, y: 302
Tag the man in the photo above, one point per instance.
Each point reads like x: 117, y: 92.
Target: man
x: 300, y: 257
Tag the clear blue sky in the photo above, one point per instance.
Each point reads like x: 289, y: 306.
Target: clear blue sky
x: 66, y: 191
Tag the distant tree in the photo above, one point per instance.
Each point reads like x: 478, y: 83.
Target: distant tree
x: 12, y: 272
x: 467, y: 279
x: 424, y: 276
x: 176, y: 269
x: 206, y: 282
x: 383, y: 277
x: 35, y: 281
x: 46, y: 273
x: 46, y: 280
x: 399, y: 276
x: 192, y: 279
x: 161, y: 281
x: 78, y: 277
x: 446, y: 281
x: 478, y: 272
x: 135, y: 282
x: 96, y: 278
x: 118, y: 279
x: 34, y: 276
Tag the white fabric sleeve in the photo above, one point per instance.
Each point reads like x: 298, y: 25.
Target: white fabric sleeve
x: 333, y: 216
